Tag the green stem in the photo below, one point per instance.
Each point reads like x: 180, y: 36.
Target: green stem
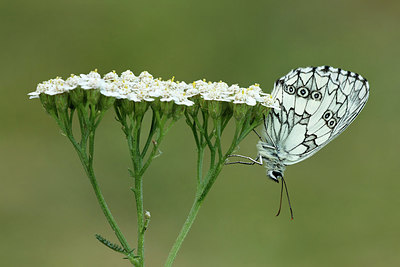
x: 150, y: 136
x: 162, y: 132
x: 218, y: 132
x: 214, y: 172
x: 140, y: 218
x: 200, y: 156
x: 107, y: 213
x: 133, y: 138
x: 184, y: 231
x: 140, y: 166
x: 88, y: 166
x: 204, y: 186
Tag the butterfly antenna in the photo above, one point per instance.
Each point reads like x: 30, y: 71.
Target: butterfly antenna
x: 280, y: 202
x: 287, y: 194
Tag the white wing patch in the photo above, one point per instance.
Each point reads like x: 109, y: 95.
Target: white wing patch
x: 295, y: 137
x: 317, y: 104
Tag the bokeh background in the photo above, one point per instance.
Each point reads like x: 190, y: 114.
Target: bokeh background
x: 345, y: 198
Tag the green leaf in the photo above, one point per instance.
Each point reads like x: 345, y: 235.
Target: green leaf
x: 111, y: 245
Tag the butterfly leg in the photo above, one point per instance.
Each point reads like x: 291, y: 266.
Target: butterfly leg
x: 252, y: 161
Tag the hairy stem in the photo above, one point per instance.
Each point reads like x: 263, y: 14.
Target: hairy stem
x: 184, y: 231
x: 132, y: 131
x: 87, y: 163
x: 204, y: 184
x: 132, y: 128
x: 203, y: 138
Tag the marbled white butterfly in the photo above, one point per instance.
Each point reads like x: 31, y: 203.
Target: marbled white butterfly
x: 316, y: 105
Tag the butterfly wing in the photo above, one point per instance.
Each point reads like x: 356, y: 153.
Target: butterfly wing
x: 317, y: 104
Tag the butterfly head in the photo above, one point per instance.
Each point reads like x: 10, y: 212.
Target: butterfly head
x: 275, y: 168
x: 275, y: 175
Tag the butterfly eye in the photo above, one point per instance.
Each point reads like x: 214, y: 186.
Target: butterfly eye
x: 331, y: 123
x: 327, y: 115
x: 275, y: 175
x: 303, y: 92
x: 316, y: 96
x: 290, y: 89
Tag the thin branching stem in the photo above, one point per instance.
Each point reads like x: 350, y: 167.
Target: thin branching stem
x: 192, y: 125
x: 204, y: 184
x: 141, y: 160
x: 200, y: 157
x: 131, y: 126
x: 86, y: 158
x: 151, y: 134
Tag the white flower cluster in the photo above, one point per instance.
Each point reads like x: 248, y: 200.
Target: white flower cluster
x: 145, y: 88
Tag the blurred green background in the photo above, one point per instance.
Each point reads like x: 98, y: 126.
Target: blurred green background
x: 345, y: 199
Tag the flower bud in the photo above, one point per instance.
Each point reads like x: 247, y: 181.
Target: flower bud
x: 240, y: 111
x: 126, y: 105
x: 215, y: 108
x: 156, y: 104
x: 259, y: 111
x: 140, y: 108
x: 166, y: 108
x: 105, y: 102
x: 92, y: 96
x: 194, y: 109
x: 178, y: 111
x: 48, y: 103
x: 77, y: 96
x: 62, y: 102
x: 147, y: 215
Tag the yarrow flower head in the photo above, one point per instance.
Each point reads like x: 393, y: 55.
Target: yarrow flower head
x: 144, y: 88
x: 92, y: 80
x: 50, y: 87
x: 111, y: 76
x: 268, y: 101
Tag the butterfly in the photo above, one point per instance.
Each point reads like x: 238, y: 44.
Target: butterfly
x: 316, y: 105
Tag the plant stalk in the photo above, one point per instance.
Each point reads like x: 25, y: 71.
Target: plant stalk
x: 87, y: 163
x: 184, y: 231
x: 243, y: 127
